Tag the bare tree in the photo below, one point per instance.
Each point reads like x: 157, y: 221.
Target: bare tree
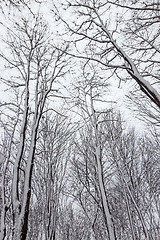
x: 6, y: 148
x: 129, y: 168
x: 121, y: 163
x: 141, y: 40
x: 37, y: 64
x: 97, y: 33
x: 88, y: 93
x: 9, y: 122
x: 52, y: 156
x: 128, y: 153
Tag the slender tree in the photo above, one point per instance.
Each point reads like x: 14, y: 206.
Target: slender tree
x: 37, y: 65
x: 52, y: 156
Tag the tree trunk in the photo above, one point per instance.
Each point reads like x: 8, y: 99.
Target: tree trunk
x: 105, y: 204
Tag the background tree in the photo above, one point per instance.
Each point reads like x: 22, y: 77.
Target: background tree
x: 9, y: 119
x: 88, y: 93
x: 49, y: 180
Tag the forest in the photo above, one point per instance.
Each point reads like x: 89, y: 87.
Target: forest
x: 79, y: 120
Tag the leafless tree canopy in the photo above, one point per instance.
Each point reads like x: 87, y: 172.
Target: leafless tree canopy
x: 72, y: 166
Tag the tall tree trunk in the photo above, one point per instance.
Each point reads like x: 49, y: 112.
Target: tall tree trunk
x: 105, y: 204
x: 21, y: 226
